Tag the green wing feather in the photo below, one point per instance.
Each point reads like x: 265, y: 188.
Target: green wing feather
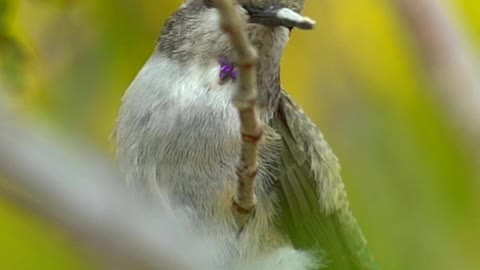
x: 315, y: 209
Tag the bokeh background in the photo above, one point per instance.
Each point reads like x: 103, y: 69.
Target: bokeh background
x: 412, y: 178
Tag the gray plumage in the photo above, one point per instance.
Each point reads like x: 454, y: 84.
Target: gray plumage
x: 178, y: 137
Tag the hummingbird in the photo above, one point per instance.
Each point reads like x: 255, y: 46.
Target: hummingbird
x: 178, y: 137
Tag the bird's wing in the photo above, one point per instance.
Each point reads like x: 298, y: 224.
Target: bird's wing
x: 314, y: 206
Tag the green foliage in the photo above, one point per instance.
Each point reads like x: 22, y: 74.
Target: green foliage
x: 12, y: 55
x: 410, y: 177
x: 27, y: 243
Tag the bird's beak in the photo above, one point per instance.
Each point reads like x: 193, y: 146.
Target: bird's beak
x: 278, y: 16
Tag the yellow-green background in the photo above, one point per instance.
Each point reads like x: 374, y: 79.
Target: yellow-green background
x: 410, y: 177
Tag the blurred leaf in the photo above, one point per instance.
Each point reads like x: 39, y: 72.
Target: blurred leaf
x: 12, y: 56
x: 27, y: 244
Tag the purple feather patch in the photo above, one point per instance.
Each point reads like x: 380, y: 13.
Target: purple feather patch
x: 227, y: 70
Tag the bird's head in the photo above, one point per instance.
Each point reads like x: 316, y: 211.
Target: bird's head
x: 193, y: 33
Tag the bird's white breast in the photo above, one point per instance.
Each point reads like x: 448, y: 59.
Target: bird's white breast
x: 178, y: 135
x: 180, y: 116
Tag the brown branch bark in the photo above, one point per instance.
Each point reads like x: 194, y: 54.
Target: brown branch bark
x: 244, y: 99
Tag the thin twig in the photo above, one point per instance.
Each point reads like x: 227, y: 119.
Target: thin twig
x: 244, y: 99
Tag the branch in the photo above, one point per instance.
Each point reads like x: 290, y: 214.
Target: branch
x: 244, y: 99
x: 451, y: 63
x: 80, y: 192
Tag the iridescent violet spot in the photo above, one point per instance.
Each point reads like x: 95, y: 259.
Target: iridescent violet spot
x: 227, y: 70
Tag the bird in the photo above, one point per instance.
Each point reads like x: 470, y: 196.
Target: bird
x: 178, y: 137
